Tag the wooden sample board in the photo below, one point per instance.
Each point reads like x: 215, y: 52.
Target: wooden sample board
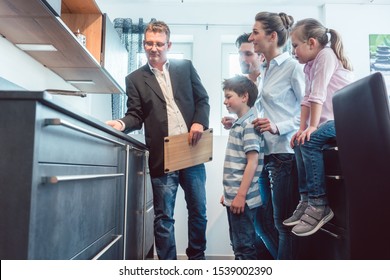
x: 178, y: 154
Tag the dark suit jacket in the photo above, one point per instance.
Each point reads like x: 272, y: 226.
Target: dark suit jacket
x: 146, y: 104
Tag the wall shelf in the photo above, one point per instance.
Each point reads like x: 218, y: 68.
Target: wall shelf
x: 34, y: 22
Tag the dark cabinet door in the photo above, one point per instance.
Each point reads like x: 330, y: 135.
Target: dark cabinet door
x: 140, y: 214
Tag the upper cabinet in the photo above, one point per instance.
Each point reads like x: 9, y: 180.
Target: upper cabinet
x: 45, y: 30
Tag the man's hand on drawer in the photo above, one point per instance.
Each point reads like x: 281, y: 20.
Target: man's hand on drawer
x: 117, y: 124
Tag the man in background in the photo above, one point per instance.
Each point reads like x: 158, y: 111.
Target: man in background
x: 250, y: 61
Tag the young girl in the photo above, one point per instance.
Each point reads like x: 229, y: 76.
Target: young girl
x: 327, y: 70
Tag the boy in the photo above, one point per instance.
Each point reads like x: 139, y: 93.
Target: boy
x: 242, y: 167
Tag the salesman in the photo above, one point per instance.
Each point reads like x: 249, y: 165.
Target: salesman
x: 169, y: 98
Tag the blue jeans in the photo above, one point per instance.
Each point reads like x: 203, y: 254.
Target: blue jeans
x: 192, y: 180
x: 279, y: 194
x: 310, y: 165
x: 242, y: 233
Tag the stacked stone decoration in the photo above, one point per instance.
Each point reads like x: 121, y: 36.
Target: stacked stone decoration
x: 382, y: 61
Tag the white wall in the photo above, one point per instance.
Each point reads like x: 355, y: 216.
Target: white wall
x: 355, y: 23
x: 225, y: 22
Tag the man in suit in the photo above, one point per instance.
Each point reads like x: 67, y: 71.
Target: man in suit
x: 168, y: 97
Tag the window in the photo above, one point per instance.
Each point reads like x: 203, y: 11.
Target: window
x: 234, y: 65
x: 230, y: 63
x: 230, y: 67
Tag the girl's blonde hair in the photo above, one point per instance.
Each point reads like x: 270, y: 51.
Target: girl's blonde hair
x: 312, y: 28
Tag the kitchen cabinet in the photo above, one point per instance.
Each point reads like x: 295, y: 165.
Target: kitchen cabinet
x: 98, y: 67
x: 70, y: 186
x: 139, y: 228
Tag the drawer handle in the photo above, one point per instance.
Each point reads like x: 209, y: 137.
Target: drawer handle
x: 137, y: 149
x: 149, y: 209
x: 56, y: 121
x: 336, y: 177
x: 58, y: 179
x: 105, y: 249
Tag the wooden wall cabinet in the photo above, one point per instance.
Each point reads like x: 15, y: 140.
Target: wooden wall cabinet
x: 85, y: 17
x: 100, y: 67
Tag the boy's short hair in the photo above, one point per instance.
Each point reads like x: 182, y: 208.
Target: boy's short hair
x: 240, y: 85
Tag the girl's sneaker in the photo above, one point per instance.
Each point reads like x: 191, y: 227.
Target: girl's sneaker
x: 296, y: 216
x: 312, y: 220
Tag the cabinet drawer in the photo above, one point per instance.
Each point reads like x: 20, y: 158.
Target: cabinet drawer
x: 73, y: 213
x: 63, y: 139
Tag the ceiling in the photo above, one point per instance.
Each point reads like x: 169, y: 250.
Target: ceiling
x: 265, y: 2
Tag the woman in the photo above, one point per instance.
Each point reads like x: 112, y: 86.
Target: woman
x: 280, y: 93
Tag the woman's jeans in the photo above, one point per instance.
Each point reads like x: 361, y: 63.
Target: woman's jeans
x: 310, y: 165
x: 279, y: 194
x: 242, y: 233
x: 192, y: 180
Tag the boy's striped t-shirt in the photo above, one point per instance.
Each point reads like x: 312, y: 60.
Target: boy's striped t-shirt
x: 242, y: 139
